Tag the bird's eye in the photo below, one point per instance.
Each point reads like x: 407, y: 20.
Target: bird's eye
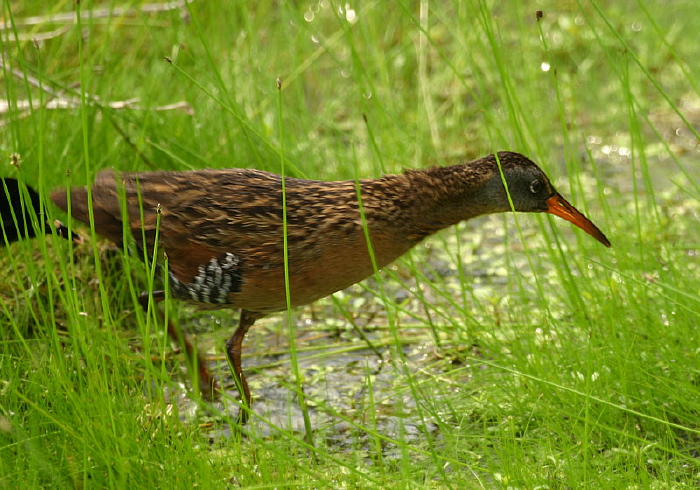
x: 536, y: 186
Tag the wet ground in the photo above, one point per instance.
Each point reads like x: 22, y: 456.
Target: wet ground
x: 349, y: 378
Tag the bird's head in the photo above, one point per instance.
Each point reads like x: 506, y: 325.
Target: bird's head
x: 63, y: 231
x: 530, y: 192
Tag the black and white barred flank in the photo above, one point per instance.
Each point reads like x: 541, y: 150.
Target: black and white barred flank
x: 222, y: 275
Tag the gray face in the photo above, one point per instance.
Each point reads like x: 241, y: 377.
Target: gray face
x: 529, y: 188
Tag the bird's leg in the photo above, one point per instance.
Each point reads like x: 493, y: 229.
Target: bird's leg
x: 233, y: 350
x: 207, y: 384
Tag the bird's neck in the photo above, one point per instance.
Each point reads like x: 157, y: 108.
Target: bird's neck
x: 418, y: 203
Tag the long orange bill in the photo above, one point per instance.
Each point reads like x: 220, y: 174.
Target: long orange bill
x: 558, y: 206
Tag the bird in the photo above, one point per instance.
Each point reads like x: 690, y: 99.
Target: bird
x: 16, y: 215
x: 224, y: 231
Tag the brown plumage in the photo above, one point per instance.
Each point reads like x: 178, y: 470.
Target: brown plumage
x: 222, y: 230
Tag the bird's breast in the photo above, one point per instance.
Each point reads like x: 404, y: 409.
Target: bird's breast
x: 316, y: 270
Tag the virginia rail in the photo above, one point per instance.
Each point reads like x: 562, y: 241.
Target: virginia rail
x: 16, y: 218
x: 223, y: 233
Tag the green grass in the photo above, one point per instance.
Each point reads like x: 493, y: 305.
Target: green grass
x: 515, y: 353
